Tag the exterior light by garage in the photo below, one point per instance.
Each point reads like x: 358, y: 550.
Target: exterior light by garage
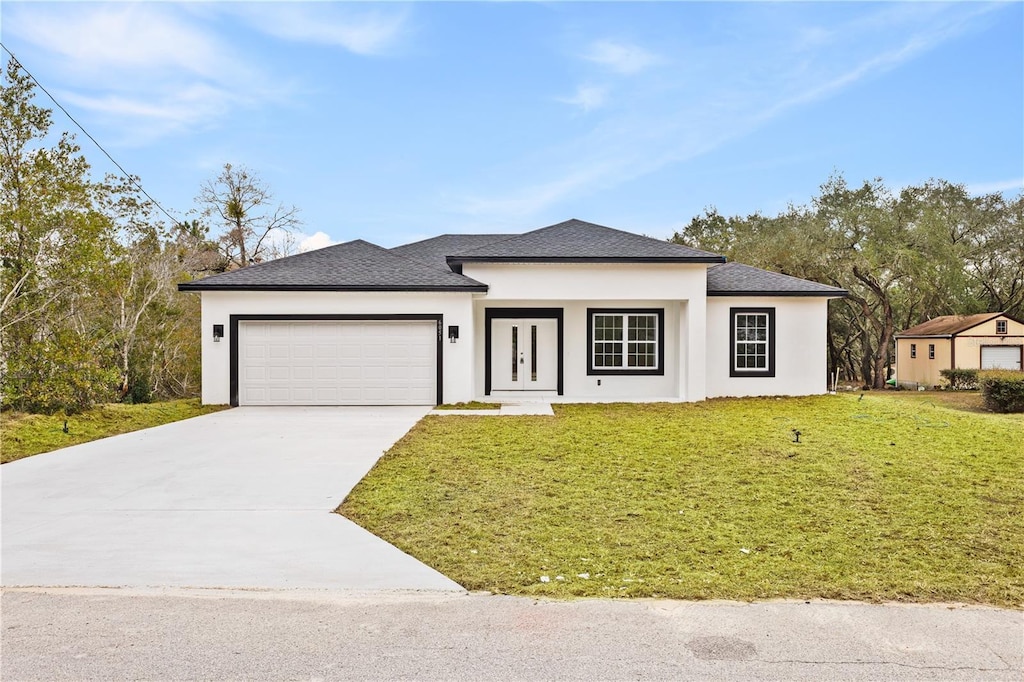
x: 453, y: 333
x: 218, y: 332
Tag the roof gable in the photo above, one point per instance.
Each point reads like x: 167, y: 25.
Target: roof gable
x: 737, y: 279
x: 949, y: 325
x: 353, y: 266
x: 580, y: 241
x: 437, y: 249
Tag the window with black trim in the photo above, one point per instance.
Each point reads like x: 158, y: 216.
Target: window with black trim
x: 931, y: 351
x: 626, y: 341
x: 913, y: 351
x: 752, y: 342
x: 1000, y: 326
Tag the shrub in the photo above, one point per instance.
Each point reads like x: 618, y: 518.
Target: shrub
x: 1003, y: 390
x: 961, y: 379
x: 64, y: 374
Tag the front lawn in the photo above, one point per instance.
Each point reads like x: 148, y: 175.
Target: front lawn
x: 883, y: 498
x: 23, y: 434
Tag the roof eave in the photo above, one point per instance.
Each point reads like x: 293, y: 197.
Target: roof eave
x: 195, y: 286
x: 819, y: 294
x: 458, y: 260
x: 923, y: 336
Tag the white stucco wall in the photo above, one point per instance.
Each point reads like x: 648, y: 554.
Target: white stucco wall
x: 680, y: 289
x: 801, y: 347
x: 218, y: 306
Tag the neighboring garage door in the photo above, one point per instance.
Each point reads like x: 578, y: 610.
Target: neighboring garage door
x: 1000, y: 357
x: 337, y: 362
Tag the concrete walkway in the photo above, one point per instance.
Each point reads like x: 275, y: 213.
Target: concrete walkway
x: 240, y: 498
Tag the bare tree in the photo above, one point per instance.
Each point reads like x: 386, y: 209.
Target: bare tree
x: 243, y: 205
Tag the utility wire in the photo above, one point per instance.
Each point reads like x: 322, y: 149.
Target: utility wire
x: 127, y: 175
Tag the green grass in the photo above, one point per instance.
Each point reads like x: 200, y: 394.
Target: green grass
x: 884, y: 498
x: 24, y: 435
x: 471, y: 405
x: 969, y: 401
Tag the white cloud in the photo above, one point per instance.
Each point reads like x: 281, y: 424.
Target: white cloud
x: 535, y: 198
x: 587, y: 97
x: 315, y: 241
x: 999, y: 186
x: 364, y: 33
x: 113, y: 39
x: 619, y: 57
x: 146, y: 70
x: 156, y: 114
x: 735, y: 93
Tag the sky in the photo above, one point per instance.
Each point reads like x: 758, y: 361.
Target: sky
x: 393, y: 122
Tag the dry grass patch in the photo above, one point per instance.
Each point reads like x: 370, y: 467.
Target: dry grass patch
x: 883, y: 499
x: 471, y: 405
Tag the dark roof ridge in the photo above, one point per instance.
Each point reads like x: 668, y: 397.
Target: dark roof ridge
x: 586, y: 242
x: 356, y: 265
x: 417, y: 261
x: 947, y: 326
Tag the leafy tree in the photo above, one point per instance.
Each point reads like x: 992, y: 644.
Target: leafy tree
x: 88, y: 307
x: 54, y: 245
x: 932, y: 249
x: 242, y: 204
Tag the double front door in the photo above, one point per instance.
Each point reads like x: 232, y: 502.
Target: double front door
x: 524, y: 354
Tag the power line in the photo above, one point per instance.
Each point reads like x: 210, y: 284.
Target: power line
x: 127, y: 175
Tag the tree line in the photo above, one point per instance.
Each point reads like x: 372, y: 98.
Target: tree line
x: 89, y: 308
x: 905, y: 256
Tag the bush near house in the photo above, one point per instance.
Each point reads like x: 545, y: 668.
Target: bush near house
x: 961, y: 379
x: 1003, y: 390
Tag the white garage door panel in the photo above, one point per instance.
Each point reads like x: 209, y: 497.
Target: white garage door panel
x: 1000, y: 357
x: 333, y: 362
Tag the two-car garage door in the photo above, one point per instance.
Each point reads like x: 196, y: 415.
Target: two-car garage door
x: 337, y: 362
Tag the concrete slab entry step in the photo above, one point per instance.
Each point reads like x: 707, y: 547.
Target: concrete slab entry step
x: 527, y: 408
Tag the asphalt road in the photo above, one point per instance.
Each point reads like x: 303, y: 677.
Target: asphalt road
x: 117, y: 634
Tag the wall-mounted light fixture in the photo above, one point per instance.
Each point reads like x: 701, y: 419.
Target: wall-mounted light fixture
x: 453, y: 333
x: 218, y: 332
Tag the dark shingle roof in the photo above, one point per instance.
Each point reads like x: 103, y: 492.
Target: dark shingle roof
x: 579, y: 241
x: 736, y: 279
x: 353, y: 266
x: 437, y: 249
x: 947, y: 325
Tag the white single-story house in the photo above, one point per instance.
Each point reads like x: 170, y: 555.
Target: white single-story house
x: 570, y: 312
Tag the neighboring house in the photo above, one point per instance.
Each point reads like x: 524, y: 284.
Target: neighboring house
x: 982, y: 341
x: 572, y: 312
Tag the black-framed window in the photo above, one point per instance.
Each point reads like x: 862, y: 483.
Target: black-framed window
x: 913, y: 351
x: 626, y: 341
x: 931, y: 351
x: 752, y: 342
x: 1000, y: 326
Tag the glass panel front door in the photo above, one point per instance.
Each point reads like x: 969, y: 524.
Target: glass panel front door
x: 524, y: 355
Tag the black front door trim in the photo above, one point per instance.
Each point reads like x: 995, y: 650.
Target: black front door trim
x: 556, y: 314
x: 235, y: 319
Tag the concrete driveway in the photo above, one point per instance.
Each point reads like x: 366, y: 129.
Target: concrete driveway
x: 240, y: 498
